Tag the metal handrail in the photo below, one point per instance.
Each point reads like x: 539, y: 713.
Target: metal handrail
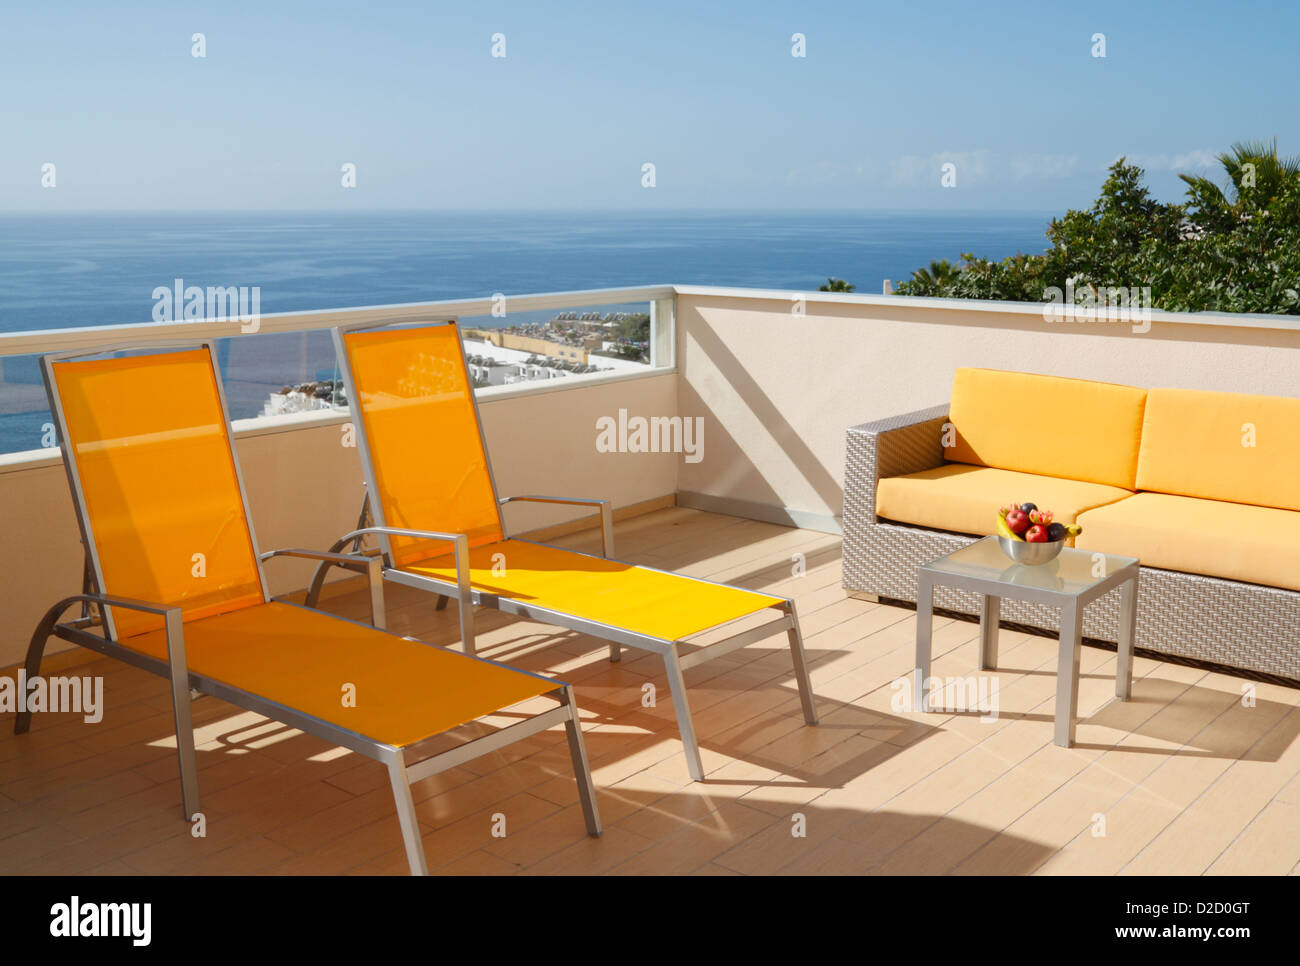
x: 34, y: 342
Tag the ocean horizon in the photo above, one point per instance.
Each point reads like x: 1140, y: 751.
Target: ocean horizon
x: 102, y: 268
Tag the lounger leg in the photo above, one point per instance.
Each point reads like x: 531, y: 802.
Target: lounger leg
x: 318, y: 578
x: 464, y: 596
x: 441, y: 602
x: 35, y: 651
x: 607, y: 551
x: 407, y: 819
x: 316, y: 585
x: 467, y: 625
x: 180, y: 680
x: 581, y: 767
x: 375, y: 578
x: 677, y: 686
x: 800, y: 666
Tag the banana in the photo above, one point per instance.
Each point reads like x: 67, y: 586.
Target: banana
x: 1006, y: 531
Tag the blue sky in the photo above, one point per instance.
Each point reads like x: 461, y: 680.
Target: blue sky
x: 587, y: 93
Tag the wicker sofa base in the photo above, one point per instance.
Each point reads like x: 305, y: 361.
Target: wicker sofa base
x: 1224, y: 622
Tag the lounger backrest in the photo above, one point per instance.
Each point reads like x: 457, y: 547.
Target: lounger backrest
x: 149, y: 455
x: 427, y: 468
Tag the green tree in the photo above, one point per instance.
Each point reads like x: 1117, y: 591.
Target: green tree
x: 634, y: 328
x: 1254, y: 172
x: 1232, y: 248
x: 836, y: 285
x: 940, y: 276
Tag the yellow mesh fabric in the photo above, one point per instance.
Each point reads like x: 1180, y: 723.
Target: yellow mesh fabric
x: 662, y: 605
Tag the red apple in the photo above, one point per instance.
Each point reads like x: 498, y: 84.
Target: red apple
x: 1018, y: 521
x: 1036, y: 534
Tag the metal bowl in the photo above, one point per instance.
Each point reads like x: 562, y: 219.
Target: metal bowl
x: 1031, y: 554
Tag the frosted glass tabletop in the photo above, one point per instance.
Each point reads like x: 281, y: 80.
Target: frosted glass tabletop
x: 1073, y: 573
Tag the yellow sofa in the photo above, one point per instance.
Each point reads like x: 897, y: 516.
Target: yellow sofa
x: 1202, y: 487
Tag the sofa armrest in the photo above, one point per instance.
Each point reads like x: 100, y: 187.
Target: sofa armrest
x: 892, y: 446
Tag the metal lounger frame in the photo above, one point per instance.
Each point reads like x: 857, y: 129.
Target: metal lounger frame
x: 467, y: 596
x: 405, y: 764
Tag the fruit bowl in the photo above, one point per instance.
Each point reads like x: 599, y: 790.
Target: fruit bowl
x: 1031, y: 554
x: 1030, y: 536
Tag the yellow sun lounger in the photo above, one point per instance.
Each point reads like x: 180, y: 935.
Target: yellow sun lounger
x: 175, y: 586
x: 433, y: 506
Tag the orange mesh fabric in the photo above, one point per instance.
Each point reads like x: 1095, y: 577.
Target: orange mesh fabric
x: 417, y: 409
x: 152, y: 450
x: 405, y: 691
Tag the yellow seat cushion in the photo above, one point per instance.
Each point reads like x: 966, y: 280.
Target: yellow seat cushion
x: 1071, y: 428
x: 405, y: 691
x: 965, y: 499
x: 661, y: 605
x: 1260, y: 545
x: 1199, y: 444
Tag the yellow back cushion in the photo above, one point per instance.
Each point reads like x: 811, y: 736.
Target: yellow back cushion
x: 1222, y: 446
x: 1069, y: 428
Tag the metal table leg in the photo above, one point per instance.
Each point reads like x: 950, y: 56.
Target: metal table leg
x: 990, y: 614
x: 1124, y: 648
x: 1067, y: 672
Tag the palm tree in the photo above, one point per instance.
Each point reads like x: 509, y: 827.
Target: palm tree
x: 837, y: 285
x: 939, y: 275
x: 1254, y: 171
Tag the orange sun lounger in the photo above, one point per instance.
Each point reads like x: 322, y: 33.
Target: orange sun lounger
x: 433, y: 506
x: 175, y: 586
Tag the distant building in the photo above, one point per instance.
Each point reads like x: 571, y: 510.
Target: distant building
x: 577, y: 351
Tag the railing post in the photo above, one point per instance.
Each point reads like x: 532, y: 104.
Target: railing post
x: 663, y: 332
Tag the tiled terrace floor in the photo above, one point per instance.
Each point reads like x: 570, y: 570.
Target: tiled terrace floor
x: 1186, y: 778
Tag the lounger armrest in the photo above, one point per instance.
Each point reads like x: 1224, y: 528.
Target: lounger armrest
x: 349, y: 561
x: 605, y: 506
x: 129, y: 603
x: 372, y: 567
x: 460, y: 546
x: 459, y: 542
x: 173, y: 627
x: 453, y: 538
x: 893, y: 446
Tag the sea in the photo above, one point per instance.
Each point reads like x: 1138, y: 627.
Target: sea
x: 65, y: 270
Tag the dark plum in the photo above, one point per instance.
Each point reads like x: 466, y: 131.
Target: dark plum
x: 1026, y: 507
x: 1056, y: 531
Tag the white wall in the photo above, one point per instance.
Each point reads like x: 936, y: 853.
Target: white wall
x: 777, y: 390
